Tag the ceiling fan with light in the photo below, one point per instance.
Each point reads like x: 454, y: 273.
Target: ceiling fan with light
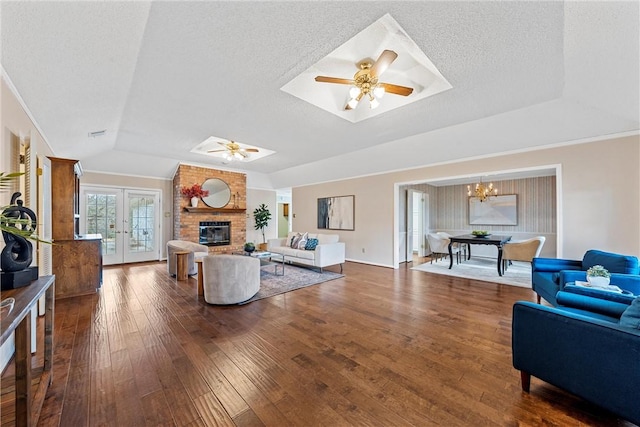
x: 233, y: 151
x: 365, y: 81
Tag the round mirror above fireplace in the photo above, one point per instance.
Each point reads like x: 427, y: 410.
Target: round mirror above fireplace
x: 219, y: 193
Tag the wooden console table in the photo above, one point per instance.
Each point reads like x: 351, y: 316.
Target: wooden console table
x: 28, y: 403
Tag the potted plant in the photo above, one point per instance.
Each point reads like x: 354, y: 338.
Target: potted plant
x: 598, y: 276
x: 249, y: 247
x: 262, y: 216
x: 194, y: 193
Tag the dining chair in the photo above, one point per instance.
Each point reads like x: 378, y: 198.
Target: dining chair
x: 524, y: 250
x: 439, y: 245
x: 463, y: 247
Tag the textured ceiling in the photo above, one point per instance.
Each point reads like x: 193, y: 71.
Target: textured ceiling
x: 162, y: 77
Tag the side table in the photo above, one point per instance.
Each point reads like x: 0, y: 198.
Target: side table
x: 200, y: 278
x: 182, y: 269
x: 28, y: 401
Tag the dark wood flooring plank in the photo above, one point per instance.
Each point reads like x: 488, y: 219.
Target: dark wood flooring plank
x: 376, y: 347
x: 212, y: 412
x: 156, y: 410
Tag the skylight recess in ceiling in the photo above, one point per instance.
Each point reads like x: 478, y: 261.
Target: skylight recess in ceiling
x: 411, y: 68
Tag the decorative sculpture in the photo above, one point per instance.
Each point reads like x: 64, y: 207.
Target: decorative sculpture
x: 17, y: 255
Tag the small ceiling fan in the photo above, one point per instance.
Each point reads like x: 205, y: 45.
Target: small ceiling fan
x: 365, y: 81
x: 233, y: 151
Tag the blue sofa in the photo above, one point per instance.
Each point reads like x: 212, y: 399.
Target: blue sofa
x: 549, y: 275
x: 585, y: 346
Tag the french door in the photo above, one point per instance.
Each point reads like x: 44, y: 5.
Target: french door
x: 127, y: 219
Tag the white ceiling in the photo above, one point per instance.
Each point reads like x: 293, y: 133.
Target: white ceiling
x: 161, y: 77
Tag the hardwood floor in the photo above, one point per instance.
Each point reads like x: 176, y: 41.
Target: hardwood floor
x: 379, y: 347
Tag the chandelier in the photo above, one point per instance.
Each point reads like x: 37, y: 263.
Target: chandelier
x: 482, y: 191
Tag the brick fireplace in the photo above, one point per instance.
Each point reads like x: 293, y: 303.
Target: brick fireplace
x: 186, y: 225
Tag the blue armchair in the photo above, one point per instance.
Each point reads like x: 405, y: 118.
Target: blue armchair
x: 549, y: 275
x: 583, y: 347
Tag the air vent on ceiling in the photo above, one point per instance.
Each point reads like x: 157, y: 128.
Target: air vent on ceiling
x: 97, y: 133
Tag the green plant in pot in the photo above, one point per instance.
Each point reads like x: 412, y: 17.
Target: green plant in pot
x: 598, y: 276
x: 261, y: 215
x: 249, y: 247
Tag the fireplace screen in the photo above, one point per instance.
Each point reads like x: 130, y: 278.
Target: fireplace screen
x: 215, y: 233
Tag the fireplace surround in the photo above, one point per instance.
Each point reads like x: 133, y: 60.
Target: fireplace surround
x: 186, y: 219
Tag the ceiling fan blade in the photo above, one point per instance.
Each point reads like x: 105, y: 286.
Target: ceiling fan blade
x: 325, y: 79
x: 251, y: 150
x: 384, y: 60
x: 216, y: 151
x: 396, y: 89
x: 224, y: 144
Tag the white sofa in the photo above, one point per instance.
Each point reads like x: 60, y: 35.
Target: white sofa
x: 329, y: 251
x: 196, y: 251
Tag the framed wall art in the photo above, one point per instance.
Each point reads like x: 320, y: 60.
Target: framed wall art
x: 336, y: 213
x: 495, y: 210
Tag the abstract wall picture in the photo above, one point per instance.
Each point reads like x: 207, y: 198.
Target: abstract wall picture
x: 496, y: 210
x: 336, y: 213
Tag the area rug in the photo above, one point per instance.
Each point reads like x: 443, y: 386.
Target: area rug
x: 294, y: 278
x: 478, y: 268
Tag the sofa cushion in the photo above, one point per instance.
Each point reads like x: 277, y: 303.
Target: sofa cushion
x: 302, y: 254
x: 324, y: 239
x: 631, y: 316
x: 285, y: 250
x: 311, y: 244
x: 615, y: 263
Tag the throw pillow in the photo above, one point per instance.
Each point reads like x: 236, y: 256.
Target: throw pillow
x: 631, y: 316
x: 294, y: 240
x: 303, y: 241
x: 311, y: 244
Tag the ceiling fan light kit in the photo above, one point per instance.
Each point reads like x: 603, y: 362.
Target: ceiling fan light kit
x: 365, y: 82
x: 230, y: 151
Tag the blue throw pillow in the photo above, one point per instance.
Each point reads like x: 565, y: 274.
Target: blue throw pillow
x: 311, y: 244
x: 631, y: 316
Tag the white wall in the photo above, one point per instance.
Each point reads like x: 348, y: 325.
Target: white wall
x: 15, y: 120
x: 599, y: 200
x: 255, y: 197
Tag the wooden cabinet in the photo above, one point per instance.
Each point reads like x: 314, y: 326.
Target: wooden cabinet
x: 77, y: 263
x: 65, y: 187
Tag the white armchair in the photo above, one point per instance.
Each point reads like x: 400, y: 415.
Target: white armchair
x: 230, y: 279
x: 196, y: 251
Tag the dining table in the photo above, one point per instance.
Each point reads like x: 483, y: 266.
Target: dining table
x: 488, y: 239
